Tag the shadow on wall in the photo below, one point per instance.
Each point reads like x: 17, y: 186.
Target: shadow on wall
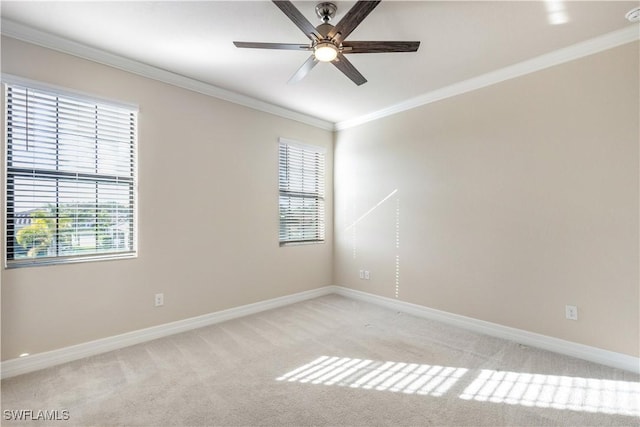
x: 353, y: 226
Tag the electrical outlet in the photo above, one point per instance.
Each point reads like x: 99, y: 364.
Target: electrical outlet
x: 159, y: 300
x: 362, y: 274
x: 571, y: 312
x: 367, y: 275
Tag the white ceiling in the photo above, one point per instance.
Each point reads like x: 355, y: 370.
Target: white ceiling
x: 459, y: 40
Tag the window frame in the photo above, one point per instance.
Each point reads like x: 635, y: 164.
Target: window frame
x: 321, y: 196
x: 8, y: 80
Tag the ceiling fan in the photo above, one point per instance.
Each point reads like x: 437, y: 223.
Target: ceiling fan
x: 327, y: 42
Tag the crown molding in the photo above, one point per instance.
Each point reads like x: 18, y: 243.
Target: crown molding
x: 28, y: 34
x: 557, y: 57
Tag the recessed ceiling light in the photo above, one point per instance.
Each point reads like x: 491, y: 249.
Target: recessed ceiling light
x: 633, y: 15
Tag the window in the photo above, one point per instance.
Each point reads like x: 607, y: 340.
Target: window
x: 301, y: 193
x: 70, y: 177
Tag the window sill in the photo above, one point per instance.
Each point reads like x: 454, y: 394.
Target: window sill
x: 22, y: 263
x: 314, y: 242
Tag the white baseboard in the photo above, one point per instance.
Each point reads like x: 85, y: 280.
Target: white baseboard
x: 581, y: 351
x: 23, y: 365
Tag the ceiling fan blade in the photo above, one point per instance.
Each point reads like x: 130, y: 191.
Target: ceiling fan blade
x: 284, y: 46
x: 349, y: 70
x: 379, y: 47
x: 304, y: 69
x: 298, y: 18
x: 353, y: 18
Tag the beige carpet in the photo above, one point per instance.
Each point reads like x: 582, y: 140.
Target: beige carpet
x: 329, y: 361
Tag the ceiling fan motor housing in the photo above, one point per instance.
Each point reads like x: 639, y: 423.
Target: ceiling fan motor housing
x: 324, y: 29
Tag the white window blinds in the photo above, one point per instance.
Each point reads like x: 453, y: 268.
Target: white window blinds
x: 70, y: 179
x: 301, y: 193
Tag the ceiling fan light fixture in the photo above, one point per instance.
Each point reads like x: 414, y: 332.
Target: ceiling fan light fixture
x: 325, y: 52
x: 326, y: 40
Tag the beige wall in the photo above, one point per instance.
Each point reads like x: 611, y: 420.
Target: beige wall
x: 208, y: 216
x: 504, y: 204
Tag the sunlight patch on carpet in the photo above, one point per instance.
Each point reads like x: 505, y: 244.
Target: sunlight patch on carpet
x: 512, y: 388
x: 557, y: 392
x: 409, y: 378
